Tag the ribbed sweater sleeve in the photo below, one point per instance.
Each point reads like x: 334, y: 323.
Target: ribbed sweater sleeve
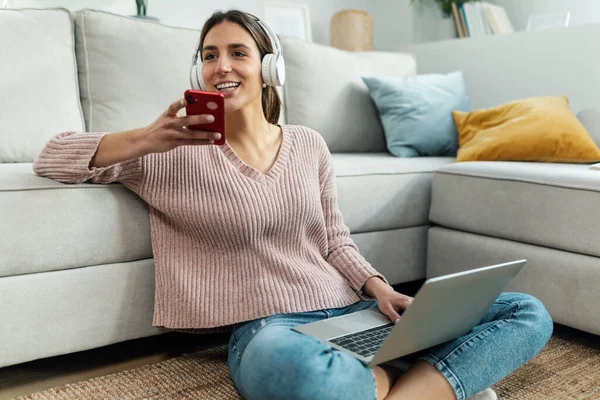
x: 343, y: 254
x: 67, y: 156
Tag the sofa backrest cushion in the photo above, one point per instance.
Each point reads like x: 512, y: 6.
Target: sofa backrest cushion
x: 325, y: 92
x: 39, y: 96
x: 590, y: 119
x: 503, y: 68
x: 130, y: 70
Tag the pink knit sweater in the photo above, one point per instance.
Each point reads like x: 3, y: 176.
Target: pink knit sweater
x: 230, y: 243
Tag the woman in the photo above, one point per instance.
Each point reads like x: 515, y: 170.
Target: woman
x: 248, y: 237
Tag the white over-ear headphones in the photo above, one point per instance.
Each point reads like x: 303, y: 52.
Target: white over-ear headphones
x: 273, y: 66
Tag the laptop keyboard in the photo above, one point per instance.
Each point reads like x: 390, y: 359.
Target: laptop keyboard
x: 366, y: 343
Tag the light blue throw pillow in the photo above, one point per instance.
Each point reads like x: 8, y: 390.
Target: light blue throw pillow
x: 416, y: 112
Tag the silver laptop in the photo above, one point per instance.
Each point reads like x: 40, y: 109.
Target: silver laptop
x: 443, y: 309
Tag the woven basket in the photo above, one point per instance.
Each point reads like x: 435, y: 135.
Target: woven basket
x: 352, y: 30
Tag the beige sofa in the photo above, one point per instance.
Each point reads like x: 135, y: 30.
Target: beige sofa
x: 76, y: 270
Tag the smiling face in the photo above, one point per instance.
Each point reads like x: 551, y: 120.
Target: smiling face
x: 231, y: 64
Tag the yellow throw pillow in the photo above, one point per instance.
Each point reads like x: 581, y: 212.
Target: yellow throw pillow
x: 533, y: 129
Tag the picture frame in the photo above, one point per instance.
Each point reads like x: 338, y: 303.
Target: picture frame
x: 288, y: 19
x: 548, y: 21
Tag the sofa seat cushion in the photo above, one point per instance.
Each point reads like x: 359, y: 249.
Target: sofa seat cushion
x: 48, y: 225
x: 550, y: 205
x: 377, y: 191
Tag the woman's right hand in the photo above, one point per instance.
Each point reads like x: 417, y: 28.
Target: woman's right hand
x: 170, y: 130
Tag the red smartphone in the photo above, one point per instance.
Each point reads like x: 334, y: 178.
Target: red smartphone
x: 200, y: 102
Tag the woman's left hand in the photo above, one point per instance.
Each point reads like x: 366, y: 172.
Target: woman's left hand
x: 392, y: 303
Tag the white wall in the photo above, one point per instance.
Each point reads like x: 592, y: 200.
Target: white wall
x: 396, y: 22
x: 116, y: 6
x: 582, y: 11
x: 193, y: 13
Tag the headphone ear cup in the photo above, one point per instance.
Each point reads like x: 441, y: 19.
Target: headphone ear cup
x: 199, y: 78
x: 273, y: 70
x: 279, y: 71
x: 196, y: 77
x: 267, y: 69
x: 193, y: 82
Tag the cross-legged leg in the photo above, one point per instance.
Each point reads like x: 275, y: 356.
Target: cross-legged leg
x: 421, y: 380
x: 512, y: 332
x: 278, y: 363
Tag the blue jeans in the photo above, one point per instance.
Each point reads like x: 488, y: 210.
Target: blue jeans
x: 268, y: 360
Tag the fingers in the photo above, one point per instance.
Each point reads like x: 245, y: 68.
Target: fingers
x: 406, y: 301
x: 393, y: 315
x: 392, y: 307
x: 175, y: 107
x: 389, y: 310
x: 189, y: 134
x: 181, y: 122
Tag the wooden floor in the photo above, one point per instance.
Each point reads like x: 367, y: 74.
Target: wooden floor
x: 26, y: 378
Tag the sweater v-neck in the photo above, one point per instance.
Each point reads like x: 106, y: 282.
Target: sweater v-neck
x: 276, y: 169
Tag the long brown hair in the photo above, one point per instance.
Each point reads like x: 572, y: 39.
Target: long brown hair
x: 271, y: 103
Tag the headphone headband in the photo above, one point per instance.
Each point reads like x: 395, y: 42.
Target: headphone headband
x: 197, y: 52
x: 266, y: 28
x: 272, y: 36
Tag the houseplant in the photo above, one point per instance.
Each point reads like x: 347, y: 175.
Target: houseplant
x: 142, y: 6
x: 447, y: 28
x: 445, y: 6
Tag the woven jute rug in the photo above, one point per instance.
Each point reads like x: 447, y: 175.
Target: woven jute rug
x: 563, y: 370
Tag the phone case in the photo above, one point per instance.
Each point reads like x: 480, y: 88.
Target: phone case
x: 200, y: 102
